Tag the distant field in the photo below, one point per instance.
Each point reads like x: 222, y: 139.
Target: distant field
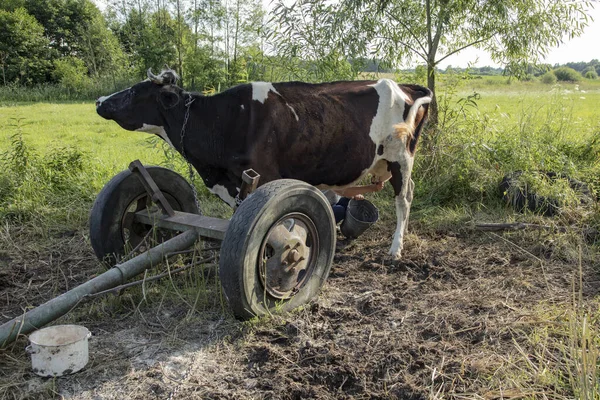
x: 580, y: 101
x: 46, y: 126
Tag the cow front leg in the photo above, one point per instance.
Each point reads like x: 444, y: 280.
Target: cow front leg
x: 403, y: 188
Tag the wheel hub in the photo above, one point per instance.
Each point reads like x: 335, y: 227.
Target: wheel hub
x: 134, y: 232
x: 287, y: 255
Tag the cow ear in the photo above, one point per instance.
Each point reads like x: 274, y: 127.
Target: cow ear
x: 168, y: 99
x: 170, y: 77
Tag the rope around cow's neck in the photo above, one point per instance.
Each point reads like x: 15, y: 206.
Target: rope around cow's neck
x: 188, y: 104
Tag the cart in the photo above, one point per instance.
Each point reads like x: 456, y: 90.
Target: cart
x: 276, y: 250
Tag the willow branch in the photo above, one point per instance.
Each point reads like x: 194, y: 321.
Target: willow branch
x: 462, y: 48
x: 438, y: 34
x: 409, y: 31
x: 423, y: 56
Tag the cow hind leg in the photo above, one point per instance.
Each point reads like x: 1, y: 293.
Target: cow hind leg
x: 409, y: 198
x: 403, y: 189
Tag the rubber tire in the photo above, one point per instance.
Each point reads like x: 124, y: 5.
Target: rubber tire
x: 238, y: 265
x: 111, y: 204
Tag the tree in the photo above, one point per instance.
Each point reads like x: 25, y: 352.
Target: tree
x: 309, y: 43
x: 98, y: 48
x: 243, y: 24
x: 24, y: 54
x: 149, y: 38
x: 63, y: 21
x: 205, y: 60
x: 515, y: 32
x: 72, y: 29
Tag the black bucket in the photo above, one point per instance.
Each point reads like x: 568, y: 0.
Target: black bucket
x: 360, y: 215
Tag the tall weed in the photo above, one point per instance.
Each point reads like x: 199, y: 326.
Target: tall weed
x: 472, y: 151
x: 561, y: 354
x: 49, y: 189
x: 582, y: 350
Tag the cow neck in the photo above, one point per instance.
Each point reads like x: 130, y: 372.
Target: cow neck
x: 177, y: 127
x: 188, y: 104
x: 198, y: 130
x: 193, y: 126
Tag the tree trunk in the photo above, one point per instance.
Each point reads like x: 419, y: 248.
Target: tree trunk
x: 237, y: 27
x: 433, y: 107
x: 196, y: 22
x: 179, y: 41
x: 227, y: 38
x: 4, y: 58
x: 92, y: 54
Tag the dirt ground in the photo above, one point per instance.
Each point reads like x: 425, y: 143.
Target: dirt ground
x: 450, y: 320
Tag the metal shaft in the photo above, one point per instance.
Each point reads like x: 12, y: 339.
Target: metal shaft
x: 250, y: 180
x: 59, y: 306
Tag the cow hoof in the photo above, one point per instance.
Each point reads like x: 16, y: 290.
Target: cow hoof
x: 396, y: 254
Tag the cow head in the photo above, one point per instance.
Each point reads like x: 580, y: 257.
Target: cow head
x: 144, y: 104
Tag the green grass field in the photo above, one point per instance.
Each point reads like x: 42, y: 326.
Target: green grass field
x: 579, y: 103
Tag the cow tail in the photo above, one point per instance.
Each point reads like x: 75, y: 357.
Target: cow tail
x: 406, y: 129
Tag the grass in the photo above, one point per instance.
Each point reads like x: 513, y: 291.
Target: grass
x: 47, y: 126
x: 57, y: 156
x: 47, y: 134
x: 560, y: 355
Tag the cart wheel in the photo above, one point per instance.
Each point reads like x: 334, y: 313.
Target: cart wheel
x: 278, y: 249
x: 112, y: 227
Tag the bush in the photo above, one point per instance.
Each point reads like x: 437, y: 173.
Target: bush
x: 549, y: 78
x: 71, y: 72
x: 567, y: 74
x: 88, y: 89
x: 591, y: 75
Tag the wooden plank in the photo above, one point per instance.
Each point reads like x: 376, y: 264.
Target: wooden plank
x: 209, y: 227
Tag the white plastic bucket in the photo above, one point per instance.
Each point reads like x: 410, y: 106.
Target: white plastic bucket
x: 59, y: 350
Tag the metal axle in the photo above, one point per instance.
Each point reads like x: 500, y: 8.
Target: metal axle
x: 59, y: 306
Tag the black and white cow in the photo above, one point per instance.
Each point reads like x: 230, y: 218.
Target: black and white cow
x: 330, y: 135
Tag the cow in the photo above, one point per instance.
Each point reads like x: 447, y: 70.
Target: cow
x: 330, y: 135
